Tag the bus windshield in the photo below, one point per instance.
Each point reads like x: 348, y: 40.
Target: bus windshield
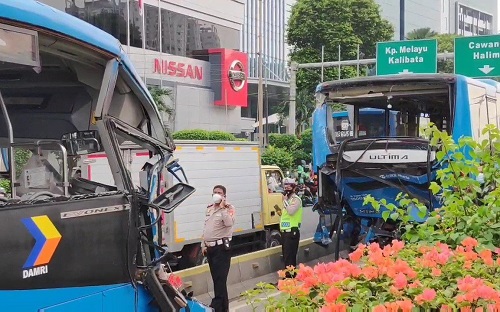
x: 393, y: 115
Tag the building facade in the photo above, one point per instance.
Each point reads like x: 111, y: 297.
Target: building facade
x: 180, y: 45
x: 272, y: 25
x: 462, y: 17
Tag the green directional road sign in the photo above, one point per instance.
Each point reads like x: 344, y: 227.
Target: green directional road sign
x: 477, y: 56
x: 404, y: 57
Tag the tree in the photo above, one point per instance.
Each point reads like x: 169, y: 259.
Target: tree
x: 421, y: 33
x: 446, y: 43
x: 158, y: 97
x: 304, y: 107
x: 333, y: 23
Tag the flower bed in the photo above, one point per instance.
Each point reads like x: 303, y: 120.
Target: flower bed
x: 396, y: 278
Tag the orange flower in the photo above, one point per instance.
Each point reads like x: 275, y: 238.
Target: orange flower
x: 445, y: 308
x: 400, y: 281
x: 470, y: 243
x: 379, y: 308
x: 281, y: 274
x: 487, y: 257
x: 397, y: 245
x: 370, y: 272
x: 334, y: 307
x: 406, y: 305
x: 426, y: 296
x: 392, y: 307
x: 333, y: 295
x: 374, y: 248
x: 468, y: 265
x: 436, y: 272
x: 356, y: 255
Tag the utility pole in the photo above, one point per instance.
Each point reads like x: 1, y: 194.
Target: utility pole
x: 401, y: 19
x: 293, y: 95
x: 267, y: 106
x: 260, y: 91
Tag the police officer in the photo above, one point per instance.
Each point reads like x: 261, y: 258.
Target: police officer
x: 291, y: 218
x: 216, y: 245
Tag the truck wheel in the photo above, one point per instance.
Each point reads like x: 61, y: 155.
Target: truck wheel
x: 274, y: 239
x: 191, y: 256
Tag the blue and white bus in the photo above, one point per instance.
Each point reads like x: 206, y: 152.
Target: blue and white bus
x: 383, y: 152
x: 68, y: 93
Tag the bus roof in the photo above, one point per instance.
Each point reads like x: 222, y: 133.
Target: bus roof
x: 325, y: 87
x: 38, y: 14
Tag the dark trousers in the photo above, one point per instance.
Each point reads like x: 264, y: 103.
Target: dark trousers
x: 219, y: 261
x: 290, y: 247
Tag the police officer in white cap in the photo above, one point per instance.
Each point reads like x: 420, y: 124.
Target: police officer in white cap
x: 216, y: 245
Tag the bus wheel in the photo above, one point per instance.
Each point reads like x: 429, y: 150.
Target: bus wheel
x: 274, y: 239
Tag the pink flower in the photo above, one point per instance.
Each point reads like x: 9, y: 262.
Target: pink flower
x: 426, y: 296
x: 333, y: 294
x: 400, y: 281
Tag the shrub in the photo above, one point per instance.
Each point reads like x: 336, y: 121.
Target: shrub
x: 469, y: 207
x: 285, y: 141
x: 395, y: 278
x: 277, y: 156
x: 306, y: 142
x: 221, y: 136
x: 299, y: 155
x: 203, y: 135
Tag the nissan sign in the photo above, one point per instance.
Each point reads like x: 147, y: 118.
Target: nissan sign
x: 237, y: 77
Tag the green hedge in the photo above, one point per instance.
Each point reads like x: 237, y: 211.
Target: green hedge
x: 203, y: 135
x: 285, y: 141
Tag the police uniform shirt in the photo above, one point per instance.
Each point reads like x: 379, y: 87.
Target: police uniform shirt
x: 218, y: 223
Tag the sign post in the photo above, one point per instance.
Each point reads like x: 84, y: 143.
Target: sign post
x: 406, y: 57
x: 477, y: 56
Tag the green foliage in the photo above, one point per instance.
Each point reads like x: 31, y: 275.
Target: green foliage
x: 299, y: 155
x: 304, y: 107
x: 330, y: 23
x: 277, y: 156
x: 5, y: 184
x: 285, y: 141
x: 158, y: 95
x: 221, y: 136
x: 306, y: 141
x: 21, y: 157
x: 446, y: 43
x: 203, y: 135
x: 421, y: 33
x: 469, y: 208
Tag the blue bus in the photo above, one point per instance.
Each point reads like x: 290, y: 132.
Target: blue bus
x: 69, y: 92
x: 376, y: 146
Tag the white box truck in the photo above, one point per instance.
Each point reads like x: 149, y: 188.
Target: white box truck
x: 234, y: 164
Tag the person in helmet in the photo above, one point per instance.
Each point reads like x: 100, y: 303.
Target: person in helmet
x: 290, y: 221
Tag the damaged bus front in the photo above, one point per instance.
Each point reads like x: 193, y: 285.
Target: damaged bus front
x: 68, y: 90
x: 375, y: 146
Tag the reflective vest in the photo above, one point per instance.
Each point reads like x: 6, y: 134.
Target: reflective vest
x: 288, y: 221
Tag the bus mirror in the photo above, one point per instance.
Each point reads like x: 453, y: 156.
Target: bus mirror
x: 81, y: 142
x: 173, y: 197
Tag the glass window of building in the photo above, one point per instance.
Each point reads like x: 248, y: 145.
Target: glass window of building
x: 135, y: 21
x: 151, y: 22
x: 181, y: 34
x: 164, y: 30
x: 108, y: 15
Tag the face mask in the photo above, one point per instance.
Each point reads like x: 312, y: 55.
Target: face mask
x: 217, y: 198
x: 288, y: 192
